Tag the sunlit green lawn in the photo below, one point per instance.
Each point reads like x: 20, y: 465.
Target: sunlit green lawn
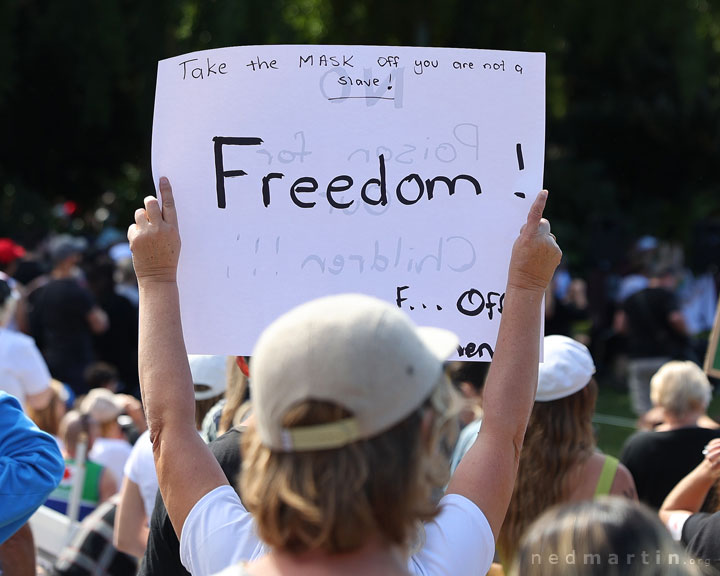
x: 615, y: 404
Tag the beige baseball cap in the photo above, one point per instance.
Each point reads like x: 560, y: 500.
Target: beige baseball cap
x: 353, y: 350
x: 102, y: 405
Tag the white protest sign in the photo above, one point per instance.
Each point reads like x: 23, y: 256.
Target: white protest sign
x: 302, y: 171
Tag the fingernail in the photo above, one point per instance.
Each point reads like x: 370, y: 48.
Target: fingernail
x: 164, y: 181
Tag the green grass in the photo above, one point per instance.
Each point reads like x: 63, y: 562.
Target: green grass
x: 615, y: 403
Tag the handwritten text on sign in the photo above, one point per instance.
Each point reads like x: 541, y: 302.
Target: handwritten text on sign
x: 301, y: 171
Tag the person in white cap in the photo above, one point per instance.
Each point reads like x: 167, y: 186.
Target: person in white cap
x: 560, y: 462
x: 111, y: 448
x: 356, y: 387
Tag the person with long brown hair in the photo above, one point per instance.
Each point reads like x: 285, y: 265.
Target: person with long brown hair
x: 560, y: 461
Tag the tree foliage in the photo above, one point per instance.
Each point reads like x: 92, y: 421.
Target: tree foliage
x: 633, y: 96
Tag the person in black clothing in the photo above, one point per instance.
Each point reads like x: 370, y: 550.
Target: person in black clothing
x: 162, y: 556
x: 562, y: 315
x: 118, y: 345
x: 64, y: 316
x: 656, y: 333
x: 698, y: 531
x: 659, y: 459
x: 701, y: 537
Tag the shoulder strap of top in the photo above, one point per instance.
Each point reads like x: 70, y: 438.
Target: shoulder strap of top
x: 607, y: 475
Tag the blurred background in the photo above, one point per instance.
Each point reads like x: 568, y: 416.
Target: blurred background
x: 633, y: 103
x: 632, y: 153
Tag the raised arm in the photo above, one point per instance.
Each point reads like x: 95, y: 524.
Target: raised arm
x: 688, y: 495
x: 486, y: 474
x: 186, y: 468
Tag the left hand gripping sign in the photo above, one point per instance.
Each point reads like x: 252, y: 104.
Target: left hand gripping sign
x: 302, y: 171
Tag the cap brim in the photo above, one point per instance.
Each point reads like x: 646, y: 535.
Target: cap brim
x: 442, y: 343
x: 207, y: 394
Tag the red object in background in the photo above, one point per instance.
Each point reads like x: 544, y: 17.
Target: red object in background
x: 9, y: 251
x: 243, y: 365
x: 69, y: 207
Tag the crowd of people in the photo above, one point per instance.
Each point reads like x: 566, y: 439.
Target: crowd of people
x: 358, y: 449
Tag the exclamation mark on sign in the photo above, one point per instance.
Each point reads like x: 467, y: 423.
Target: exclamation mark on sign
x: 390, y: 83
x: 521, y: 166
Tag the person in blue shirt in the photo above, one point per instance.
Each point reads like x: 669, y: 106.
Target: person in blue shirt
x: 31, y: 466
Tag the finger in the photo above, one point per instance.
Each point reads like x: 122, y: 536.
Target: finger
x: 536, y: 212
x: 168, y: 202
x: 131, y: 233
x: 713, y: 451
x: 544, y: 227
x: 712, y: 455
x: 152, y: 208
x: 713, y: 444
x: 141, y: 217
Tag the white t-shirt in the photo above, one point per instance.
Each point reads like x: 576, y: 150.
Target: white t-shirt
x: 140, y: 468
x: 22, y: 368
x: 111, y: 453
x: 219, y: 532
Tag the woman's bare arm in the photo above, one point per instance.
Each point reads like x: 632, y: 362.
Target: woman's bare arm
x: 486, y: 474
x: 186, y: 468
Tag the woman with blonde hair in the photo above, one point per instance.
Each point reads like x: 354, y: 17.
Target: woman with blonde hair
x: 231, y: 409
x: 660, y: 458
x: 338, y: 467
x: 48, y: 418
x: 560, y: 461
x: 609, y: 536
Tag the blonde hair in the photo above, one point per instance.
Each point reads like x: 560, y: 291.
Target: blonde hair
x: 109, y: 429
x: 559, y: 439
x: 680, y: 387
x: 236, y: 390
x: 608, y: 536
x: 202, y: 407
x: 334, y: 500
x: 48, y: 418
x: 73, y: 427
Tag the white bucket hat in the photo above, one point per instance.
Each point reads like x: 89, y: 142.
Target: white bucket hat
x: 567, y: 368
x: 208, y: 371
